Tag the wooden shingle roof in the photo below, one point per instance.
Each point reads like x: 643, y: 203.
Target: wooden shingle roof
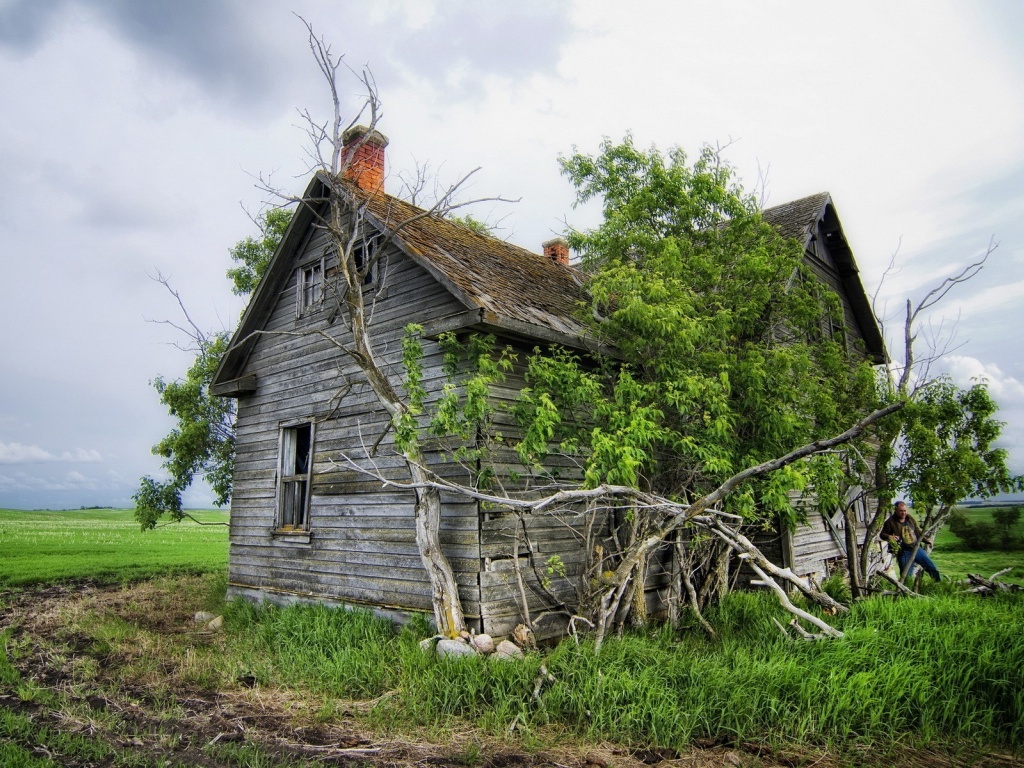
x: 798, y: 218
x: 485, y: 273
x: 503, y: 287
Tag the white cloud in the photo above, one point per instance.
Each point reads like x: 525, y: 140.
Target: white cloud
x: 18, y: 453
x: 965, y: 371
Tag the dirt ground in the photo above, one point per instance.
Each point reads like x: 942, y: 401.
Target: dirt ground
x: 154, y: 718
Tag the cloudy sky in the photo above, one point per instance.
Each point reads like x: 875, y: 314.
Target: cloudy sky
x: 131, y: 133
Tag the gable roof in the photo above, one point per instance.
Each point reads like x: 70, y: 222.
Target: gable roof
x: 797, y: 218
x: 503, y: 287
x: 504, y: 282
x: 813, y: 217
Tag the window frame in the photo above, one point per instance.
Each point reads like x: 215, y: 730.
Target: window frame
x: 367, y: 245
x: 291, y: 482
x: 310, y: 282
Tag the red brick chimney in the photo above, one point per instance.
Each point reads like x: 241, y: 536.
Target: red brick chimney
x: 557, y: 250
x: 362, y: 157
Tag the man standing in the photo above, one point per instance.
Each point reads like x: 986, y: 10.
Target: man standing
x: 902, y: 533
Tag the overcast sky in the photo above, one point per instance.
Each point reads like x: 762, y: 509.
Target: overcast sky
x: 131, y: 133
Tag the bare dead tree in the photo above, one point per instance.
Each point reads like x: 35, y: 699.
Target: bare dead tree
x: 904, y: 382
x: 348, y: 215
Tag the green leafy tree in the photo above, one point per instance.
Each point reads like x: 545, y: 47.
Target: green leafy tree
x: 1006, y: 519
x: 202, y: 441
x: 939, y: 449
x: 253, y: 254
x: 721, y: 361
x: 945, y: 452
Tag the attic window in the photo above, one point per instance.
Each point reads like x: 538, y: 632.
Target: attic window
x: 364, y: 254
x: 310, y: 284
x: 296, y: 469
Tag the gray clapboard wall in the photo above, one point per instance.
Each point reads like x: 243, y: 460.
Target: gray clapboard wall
x: 360, y: 547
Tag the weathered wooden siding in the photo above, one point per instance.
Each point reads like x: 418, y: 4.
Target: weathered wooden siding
x: 360, y: 547
x: 819, y: 548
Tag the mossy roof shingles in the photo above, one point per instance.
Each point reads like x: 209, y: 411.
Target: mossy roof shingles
x: 487, y: 273
x: 798, y: 217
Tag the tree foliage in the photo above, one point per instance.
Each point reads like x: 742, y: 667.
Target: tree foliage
x: 202, y: 441
x: 722, y: 358
x: 253, y: 254
x: 946, y: 453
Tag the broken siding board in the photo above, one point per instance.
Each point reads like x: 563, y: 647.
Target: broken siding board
x: 813, y: 544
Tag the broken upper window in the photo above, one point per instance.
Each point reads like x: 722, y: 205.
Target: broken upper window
x: 364, y: 255
x: 296, y: 474
x: 310, y: 284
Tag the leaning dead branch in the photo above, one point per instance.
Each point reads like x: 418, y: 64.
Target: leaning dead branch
x: 765, y: 581
x: 662, y: 517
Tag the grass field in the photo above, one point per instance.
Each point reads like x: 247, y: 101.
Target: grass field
x: 910, y: 677
x: 956, y: 560
x: 105, y: 544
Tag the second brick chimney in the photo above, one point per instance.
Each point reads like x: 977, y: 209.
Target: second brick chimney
x: 363, y: 157
x: 557, y: 250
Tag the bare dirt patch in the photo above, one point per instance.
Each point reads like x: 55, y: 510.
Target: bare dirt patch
x: 139, y: 703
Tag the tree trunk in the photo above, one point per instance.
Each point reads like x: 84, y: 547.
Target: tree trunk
x: 883, y: 500
x: 444, y: 589
x: 852, y: 560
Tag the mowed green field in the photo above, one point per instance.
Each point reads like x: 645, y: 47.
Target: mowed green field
x: 105, y: 544
x: 955, y: 560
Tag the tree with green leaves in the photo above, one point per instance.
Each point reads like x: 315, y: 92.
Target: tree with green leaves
x: 202, y: 441
x: 940, y: 448
x: 717, y: 356
x: 719, y: 361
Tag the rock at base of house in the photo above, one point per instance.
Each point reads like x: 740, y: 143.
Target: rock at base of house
x: 459, y: 647
x: 483, y: 643
x: 508, y: 650
x: 202, y: 617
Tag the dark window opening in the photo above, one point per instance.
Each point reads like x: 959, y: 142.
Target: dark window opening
x: 296, y: 471
x: 364, y: 255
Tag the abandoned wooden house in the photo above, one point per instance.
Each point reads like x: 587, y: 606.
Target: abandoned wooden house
x: 304, y: 526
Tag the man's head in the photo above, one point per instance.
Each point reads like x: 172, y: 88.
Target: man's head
x: 900, y: 507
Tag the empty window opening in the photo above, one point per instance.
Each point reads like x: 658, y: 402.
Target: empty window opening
x: 296, y: 470
x: 364, y: 256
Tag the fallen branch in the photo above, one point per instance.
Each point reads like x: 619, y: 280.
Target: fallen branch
x: 765, y: 581
x: 900, y: 586
x: 990, y: 585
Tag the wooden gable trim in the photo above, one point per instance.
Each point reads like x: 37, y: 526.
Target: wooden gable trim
x: 265, y: 296
x: 829, y: 229
x: 244, y: 385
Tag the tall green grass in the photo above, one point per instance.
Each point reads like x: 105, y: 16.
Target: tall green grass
x: 105, y: 544
x: 948, y: 668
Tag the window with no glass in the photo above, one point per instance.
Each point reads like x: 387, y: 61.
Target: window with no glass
x: 296, y: 474
x: 311, y: 286
x: 364, y: 254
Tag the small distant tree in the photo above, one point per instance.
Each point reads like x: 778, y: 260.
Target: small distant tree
x: 202, y: 441
x: 1006, y: 519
